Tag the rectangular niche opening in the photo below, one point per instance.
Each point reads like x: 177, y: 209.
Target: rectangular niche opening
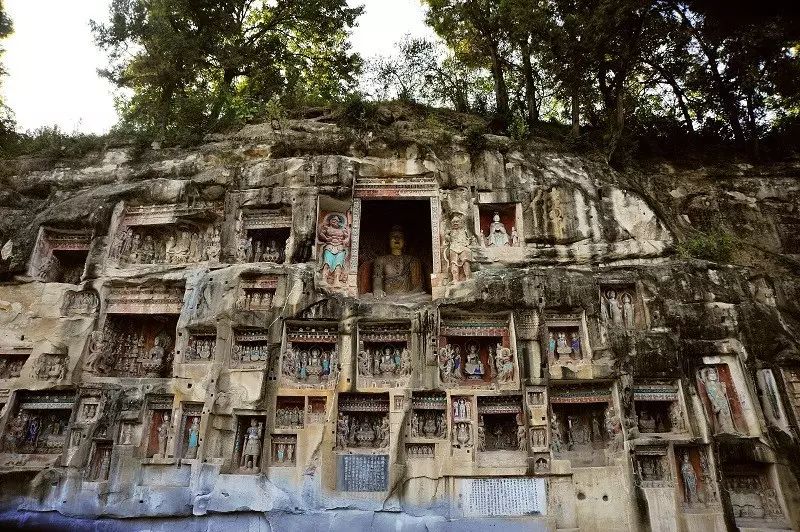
x: 384, y: 350
x: 100, y: 462
x: 248, y: 443
x: 189, y: 430
x: 250, y: 348
x: 619, y: 306
x: 39, y: 423
x: 500, y: 424
x: 420, y: 450
x: 310, y: 356
x: 400, y: 277
x: 201, y: 346
x: 159, y: 420
x: 580, y: 427
x: 184, y: 242
x: 284, y: 450
x: 289, y: 412
x: 138, y: 345
x: 267, y: 244
x: 501, y: 233
x: 317, y: 409
x: 363, y: 421
x: 11, y: 363
x: 652, y: 467
x: 654, y: 416
x: 256, y: 293
x: 752, y: 495
x: 60, y: 255
x: 428, y: 415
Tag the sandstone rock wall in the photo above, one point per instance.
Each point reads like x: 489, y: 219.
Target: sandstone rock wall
x: 225, y: 329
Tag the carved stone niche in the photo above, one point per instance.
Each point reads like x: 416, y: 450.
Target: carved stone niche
x: 771, y: 403
x: 51, y: 367
x: 167, y: 234
x: 38, y: 424
x: 461, y: 409
x: 652, y: 467
x: 289, y: 412
x: 99, y: 461
x: 695, y: 478
x: 317, y: 409
x: 250, y: 348
x: 310, y: 355
x: 552, y: 215
x: 566, y: 345
x: 476, y: 352
x: 83, y: 302
x: 201, y: 346
x: 133, y: 345
x: 428, y: 415
x: 159, y: 421
x: 89, y: 409
x: 284, y: 450
x: 189, y: 433
x: 501, y: 424
x: 334, y: 236
x: 721, y: 400
x: 499, y: 225
x: 541, y: 463
x: 658, y: 408
x: 248, y: 443
x: 580, y: 421
x: 60, y: 255
x: 363, y: 422
x: 752, y: 494
x: 406, y: 224
x: 791, y: 377
x: 12, y: 360
x: 420, y: 450
x: 264, y: 235
x: 384, y: 353
x: 536, y: 397
x: 621, y: 307
x: 256, y: 292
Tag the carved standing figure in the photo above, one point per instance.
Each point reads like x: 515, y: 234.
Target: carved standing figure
x: 505, y: 364
x: 614, y: 308
x: 717, y: 394
x: 194, y: 438
x: 627, y: 310
x: 162, y: 433
x: 252, y: 445
x: 335, y: 237
x: 689, y: 480
x: 396, y: 273
x: 342, y: 432
x: 458, y: 254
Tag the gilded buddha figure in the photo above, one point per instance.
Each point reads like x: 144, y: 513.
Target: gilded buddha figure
x: 396, y: 273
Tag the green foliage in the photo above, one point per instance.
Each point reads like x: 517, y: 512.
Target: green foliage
x: 474, y: 140
x: 50, y: 142
x: 716, y: 246
x: 194, y: 66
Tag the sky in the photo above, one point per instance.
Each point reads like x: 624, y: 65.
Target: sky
x: 52, y: 61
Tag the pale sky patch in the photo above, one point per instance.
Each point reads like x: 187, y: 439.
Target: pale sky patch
x: 52, y: 60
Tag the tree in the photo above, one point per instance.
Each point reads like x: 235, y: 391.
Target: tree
x: 6, y: 28
x: 192, y: 66
x: 478, y: 35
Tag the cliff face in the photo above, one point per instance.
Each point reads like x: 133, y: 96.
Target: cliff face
x: 294, y: 318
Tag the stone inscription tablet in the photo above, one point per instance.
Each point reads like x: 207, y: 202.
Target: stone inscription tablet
x: 363, y: 472
x: 489, y: 497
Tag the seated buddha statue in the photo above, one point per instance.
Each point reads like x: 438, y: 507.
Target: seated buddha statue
x: 396, y: 273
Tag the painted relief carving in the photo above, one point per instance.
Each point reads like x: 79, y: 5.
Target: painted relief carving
x: 618, y: 306
x: 310, y: 356
x: 363, y: 421
x: 719, y: 399
x: 39, y: 424
x: 167, y: 244
x: 428, y: 415
x: 396, y: 273
x: 384, y: 352
x: 475, y: 354
x: 334, y: 246
x: 263, y: 235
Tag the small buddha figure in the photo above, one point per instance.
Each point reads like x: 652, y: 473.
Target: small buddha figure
x: 473, y: 367
x: 396, y: 273
x: 498, y: 236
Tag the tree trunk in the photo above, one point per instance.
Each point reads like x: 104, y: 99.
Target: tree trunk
x: 678, y: 91
x: 576, y: 112
x: 530, y: 88
x: 500, y: 89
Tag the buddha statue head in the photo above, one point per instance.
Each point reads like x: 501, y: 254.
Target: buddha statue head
x: 397, y: 240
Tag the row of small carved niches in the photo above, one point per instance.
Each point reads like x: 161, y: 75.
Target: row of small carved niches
x: 50, y: 367
x: 362, y: 423
x: 171, y: 234
x: 297, y: 412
